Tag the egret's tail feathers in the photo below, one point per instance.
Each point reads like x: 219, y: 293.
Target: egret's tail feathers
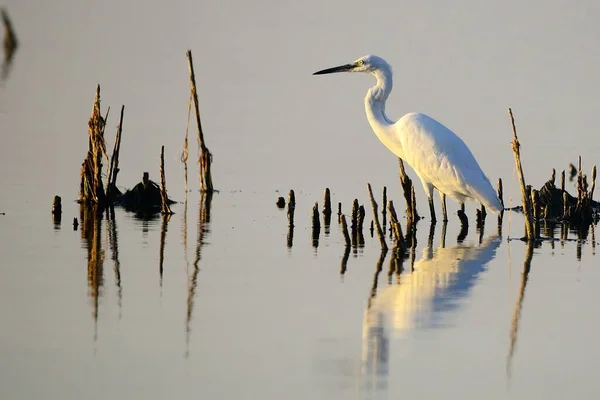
x: 486, y: 195
x: 492, y: 204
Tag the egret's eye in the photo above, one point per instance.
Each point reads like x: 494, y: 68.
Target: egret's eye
x: 361, y: 63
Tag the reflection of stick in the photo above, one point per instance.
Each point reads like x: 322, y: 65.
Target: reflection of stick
x: 345, y: 231
x: 345, y: 260
x: 376, y: 219
x: 378, y: 269
x: 514, y: 329
x: 529, y: 229
x: 203, y: 228
x: 163, y: 239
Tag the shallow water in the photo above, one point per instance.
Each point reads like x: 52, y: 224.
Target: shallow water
x: 214, y: 302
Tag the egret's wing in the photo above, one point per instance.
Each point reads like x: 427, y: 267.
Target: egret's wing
x: 443, y: 159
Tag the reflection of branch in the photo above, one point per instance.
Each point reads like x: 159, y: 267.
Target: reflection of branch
x: 514, y: 329
x: 163, y: 237
x: 464, y: 231
x: 345, y: 260
x: 114, y: 248
x: 91, y: 226
x: 203, y: 228
x: 378, y: 269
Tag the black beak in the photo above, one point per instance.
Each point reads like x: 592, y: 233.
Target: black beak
x: 341, y: 68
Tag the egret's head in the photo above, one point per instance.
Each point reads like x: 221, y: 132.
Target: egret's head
x: 364, y: 64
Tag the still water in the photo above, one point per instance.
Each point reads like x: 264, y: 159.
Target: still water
x: 213, y: 302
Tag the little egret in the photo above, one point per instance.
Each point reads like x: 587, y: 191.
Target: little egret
x: 440, y: 159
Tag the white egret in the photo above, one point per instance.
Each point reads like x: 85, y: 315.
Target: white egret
x: 438, y: 156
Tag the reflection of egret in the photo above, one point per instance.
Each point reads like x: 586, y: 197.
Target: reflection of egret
x: 440, y: 278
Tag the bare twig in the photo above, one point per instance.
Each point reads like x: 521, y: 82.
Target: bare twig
x: 376, y: 219
x: 205, y: 157
x: 529, y: 228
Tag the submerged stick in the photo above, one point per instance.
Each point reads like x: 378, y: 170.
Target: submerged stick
x: 327, y: 202
x: 591, y: 195
x: 360, y: 238
x: 354, y: 222
x: 290, y: 214
x: 535, y: 202
x: 205, y: 157
x: 165, y: 208
x: 376, y: 219
x: 529, y: 228
x: 383, y: 208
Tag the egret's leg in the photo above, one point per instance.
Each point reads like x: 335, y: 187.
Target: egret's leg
x: 444, y: 212
x: 432, y: 210
x: 428, y: 187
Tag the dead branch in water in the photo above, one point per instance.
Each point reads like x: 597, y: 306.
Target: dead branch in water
x: 165, y: 209
x: 407, y: 187
x: 205, y: 157
x: 396, y: 228
x: 111, y: 187
x: 91, y: 187
x: 376, y: 219
x: 526, y: 200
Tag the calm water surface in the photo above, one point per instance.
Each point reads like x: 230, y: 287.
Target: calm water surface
x: 213, y: 302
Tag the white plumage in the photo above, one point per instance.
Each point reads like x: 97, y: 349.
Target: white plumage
x: 438, y: 156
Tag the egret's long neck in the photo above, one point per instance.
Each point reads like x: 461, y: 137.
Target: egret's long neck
x: 375, y: 108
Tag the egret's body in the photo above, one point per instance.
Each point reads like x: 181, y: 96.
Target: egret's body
x: 439, y: 157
